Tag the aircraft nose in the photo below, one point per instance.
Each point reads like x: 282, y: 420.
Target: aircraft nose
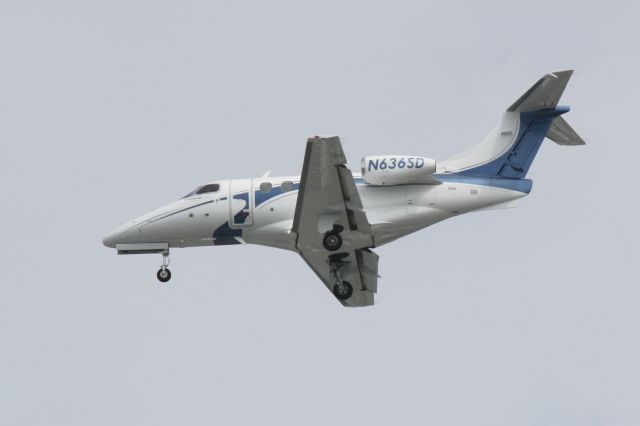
x: 117, y: 236
x: 111, y: 239
x: 154, y: 228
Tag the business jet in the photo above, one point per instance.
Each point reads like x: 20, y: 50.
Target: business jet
x: 334, y: 218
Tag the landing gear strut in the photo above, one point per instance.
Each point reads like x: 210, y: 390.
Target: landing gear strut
x: 342, y: 290
x: 164, y: 274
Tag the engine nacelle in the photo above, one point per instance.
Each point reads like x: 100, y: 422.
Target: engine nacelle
x: 397, y: 169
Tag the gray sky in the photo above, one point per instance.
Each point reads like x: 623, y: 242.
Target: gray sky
x: 526, y: 316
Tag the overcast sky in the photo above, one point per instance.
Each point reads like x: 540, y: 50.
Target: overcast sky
x: 525, y: 317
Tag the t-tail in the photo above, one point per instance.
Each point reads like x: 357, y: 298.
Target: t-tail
x: 508, y: 151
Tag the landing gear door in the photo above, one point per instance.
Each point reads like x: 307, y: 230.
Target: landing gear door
x: 240, y: 203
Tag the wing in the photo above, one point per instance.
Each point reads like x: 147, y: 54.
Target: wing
x: 328, y: 201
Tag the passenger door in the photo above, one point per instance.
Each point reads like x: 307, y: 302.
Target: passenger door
x: 240, y: 203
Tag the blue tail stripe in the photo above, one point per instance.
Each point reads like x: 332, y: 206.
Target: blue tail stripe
x: 515, y: 163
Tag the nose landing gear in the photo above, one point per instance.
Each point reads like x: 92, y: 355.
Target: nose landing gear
x: 164, y: 274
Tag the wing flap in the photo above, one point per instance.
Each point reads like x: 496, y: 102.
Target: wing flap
x: 368, y: 266
x: 355, y: 212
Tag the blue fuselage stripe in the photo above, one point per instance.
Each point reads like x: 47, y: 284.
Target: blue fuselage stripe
x: 520, y: 185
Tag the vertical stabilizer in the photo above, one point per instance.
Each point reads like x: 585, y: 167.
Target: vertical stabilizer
x: 510, y: 148
x: 545, y: 94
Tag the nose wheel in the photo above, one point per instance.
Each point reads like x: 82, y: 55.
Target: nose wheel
x: 164, y: 274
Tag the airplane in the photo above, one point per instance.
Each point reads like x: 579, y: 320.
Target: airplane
x: 334, y: 218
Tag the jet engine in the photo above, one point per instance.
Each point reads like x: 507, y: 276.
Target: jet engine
x: 398, y: 170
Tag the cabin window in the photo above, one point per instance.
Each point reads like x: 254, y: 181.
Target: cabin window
x: 212, y: 187
x: 287, y: 186
x: 265, y: 187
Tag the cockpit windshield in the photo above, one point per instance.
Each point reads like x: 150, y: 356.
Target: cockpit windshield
x: 205, y: 189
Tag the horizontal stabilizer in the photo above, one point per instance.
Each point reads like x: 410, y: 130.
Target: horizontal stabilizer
x: 561, y: 133
x: 545, y: 94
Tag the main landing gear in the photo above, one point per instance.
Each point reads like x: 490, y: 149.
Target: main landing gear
x: 164, y: 274
x: 332, y: 240
x: 342, y: 290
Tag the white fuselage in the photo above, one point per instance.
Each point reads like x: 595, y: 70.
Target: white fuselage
x: 261, y: 211
x: 333, y: 217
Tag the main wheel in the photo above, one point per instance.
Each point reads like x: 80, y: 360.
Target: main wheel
x: 343, y: 291
x: 332, y: 241
x: 164, y: 275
